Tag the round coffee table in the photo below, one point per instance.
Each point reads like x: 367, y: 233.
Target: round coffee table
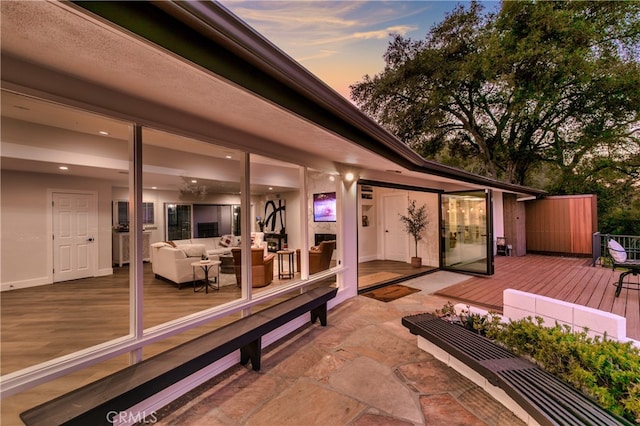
x: 206, y: 267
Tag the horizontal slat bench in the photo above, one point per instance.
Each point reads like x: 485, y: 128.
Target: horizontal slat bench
x: 544, y: 397
x: 96, y: 402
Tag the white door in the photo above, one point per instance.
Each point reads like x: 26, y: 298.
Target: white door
x: 395, y: 237
x: 73, y: 242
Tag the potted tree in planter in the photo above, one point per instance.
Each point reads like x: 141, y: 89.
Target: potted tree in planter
x: 415, y: 222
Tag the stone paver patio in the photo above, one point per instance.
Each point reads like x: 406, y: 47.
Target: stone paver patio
x: 364, y: 368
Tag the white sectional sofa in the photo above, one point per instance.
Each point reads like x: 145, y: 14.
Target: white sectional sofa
x: 216, y: 246
x: 174, y: 263
x: 172, y: 259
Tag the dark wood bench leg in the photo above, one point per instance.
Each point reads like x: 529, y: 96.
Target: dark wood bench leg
x: 252, y: 352
x: 320, y: 312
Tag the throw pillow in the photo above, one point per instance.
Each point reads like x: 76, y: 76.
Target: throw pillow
x: 617, y: 252
x: 226, y: 240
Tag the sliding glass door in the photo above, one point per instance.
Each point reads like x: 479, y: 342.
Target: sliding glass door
x: 178, y: 217
x: 467, y: 232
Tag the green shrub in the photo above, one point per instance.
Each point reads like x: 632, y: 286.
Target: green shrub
x: 605, y: 370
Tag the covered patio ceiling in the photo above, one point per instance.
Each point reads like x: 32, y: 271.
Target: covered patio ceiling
x: 64, y: 53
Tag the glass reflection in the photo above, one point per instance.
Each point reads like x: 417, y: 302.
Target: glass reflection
x: 464, y: 227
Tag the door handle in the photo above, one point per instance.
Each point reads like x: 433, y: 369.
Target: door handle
x: 90, y: 239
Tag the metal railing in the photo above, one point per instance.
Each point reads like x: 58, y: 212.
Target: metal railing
x: 631, y: 243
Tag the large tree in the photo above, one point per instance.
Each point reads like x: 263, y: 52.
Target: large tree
x: 538, y: 85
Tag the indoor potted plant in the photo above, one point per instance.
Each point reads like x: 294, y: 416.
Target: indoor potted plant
x: 415, y: 222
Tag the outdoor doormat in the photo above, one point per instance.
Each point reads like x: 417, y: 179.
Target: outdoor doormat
x: 390, y: 292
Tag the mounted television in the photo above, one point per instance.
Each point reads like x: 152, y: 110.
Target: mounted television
x: 324, y: 207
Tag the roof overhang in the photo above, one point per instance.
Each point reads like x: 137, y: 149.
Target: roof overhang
x: 191, y: 67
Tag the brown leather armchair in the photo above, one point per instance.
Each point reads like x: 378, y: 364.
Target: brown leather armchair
x: 261, y: 266
x: 319, y: 256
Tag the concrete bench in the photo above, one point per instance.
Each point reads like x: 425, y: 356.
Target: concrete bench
x: 94, y: 403
x: 532, y: 394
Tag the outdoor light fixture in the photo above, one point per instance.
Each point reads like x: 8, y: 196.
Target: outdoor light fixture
x: 348, y: 172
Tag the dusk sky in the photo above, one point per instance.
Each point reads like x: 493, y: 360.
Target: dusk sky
x: 340, y: 41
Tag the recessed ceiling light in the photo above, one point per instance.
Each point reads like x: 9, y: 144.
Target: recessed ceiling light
x: 104, y: 133
x: 271, y: 188
x: 154, y: 187
x: 194, y: 181
x: 63, y: 168
x: 228, y: 157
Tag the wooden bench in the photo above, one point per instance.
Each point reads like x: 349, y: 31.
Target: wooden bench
x: 94, y: 403
x: 543, y: 397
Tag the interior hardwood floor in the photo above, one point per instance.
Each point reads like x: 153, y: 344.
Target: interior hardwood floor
x: 378, y: 273
x: 41, y: 323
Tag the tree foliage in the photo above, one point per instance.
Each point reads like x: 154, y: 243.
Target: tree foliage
x: 537, y: 93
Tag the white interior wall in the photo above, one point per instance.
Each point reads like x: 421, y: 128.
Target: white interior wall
x: 26, y: 258
x: 368, y: 235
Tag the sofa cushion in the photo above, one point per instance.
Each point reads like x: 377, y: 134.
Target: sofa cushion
x: 226, y: 240
x: 210, y: 243
x: 193, y: 250
x: 161, y: 244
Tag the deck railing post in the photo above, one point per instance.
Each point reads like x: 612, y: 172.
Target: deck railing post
x: 596, y: 246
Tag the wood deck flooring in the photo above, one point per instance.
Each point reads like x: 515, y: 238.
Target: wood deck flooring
x: 573, y: 280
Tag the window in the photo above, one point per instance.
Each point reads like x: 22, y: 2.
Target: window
x: 147, y: 213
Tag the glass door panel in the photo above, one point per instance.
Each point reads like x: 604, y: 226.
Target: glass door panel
x: 466, y: 232
x: 178, y: 222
